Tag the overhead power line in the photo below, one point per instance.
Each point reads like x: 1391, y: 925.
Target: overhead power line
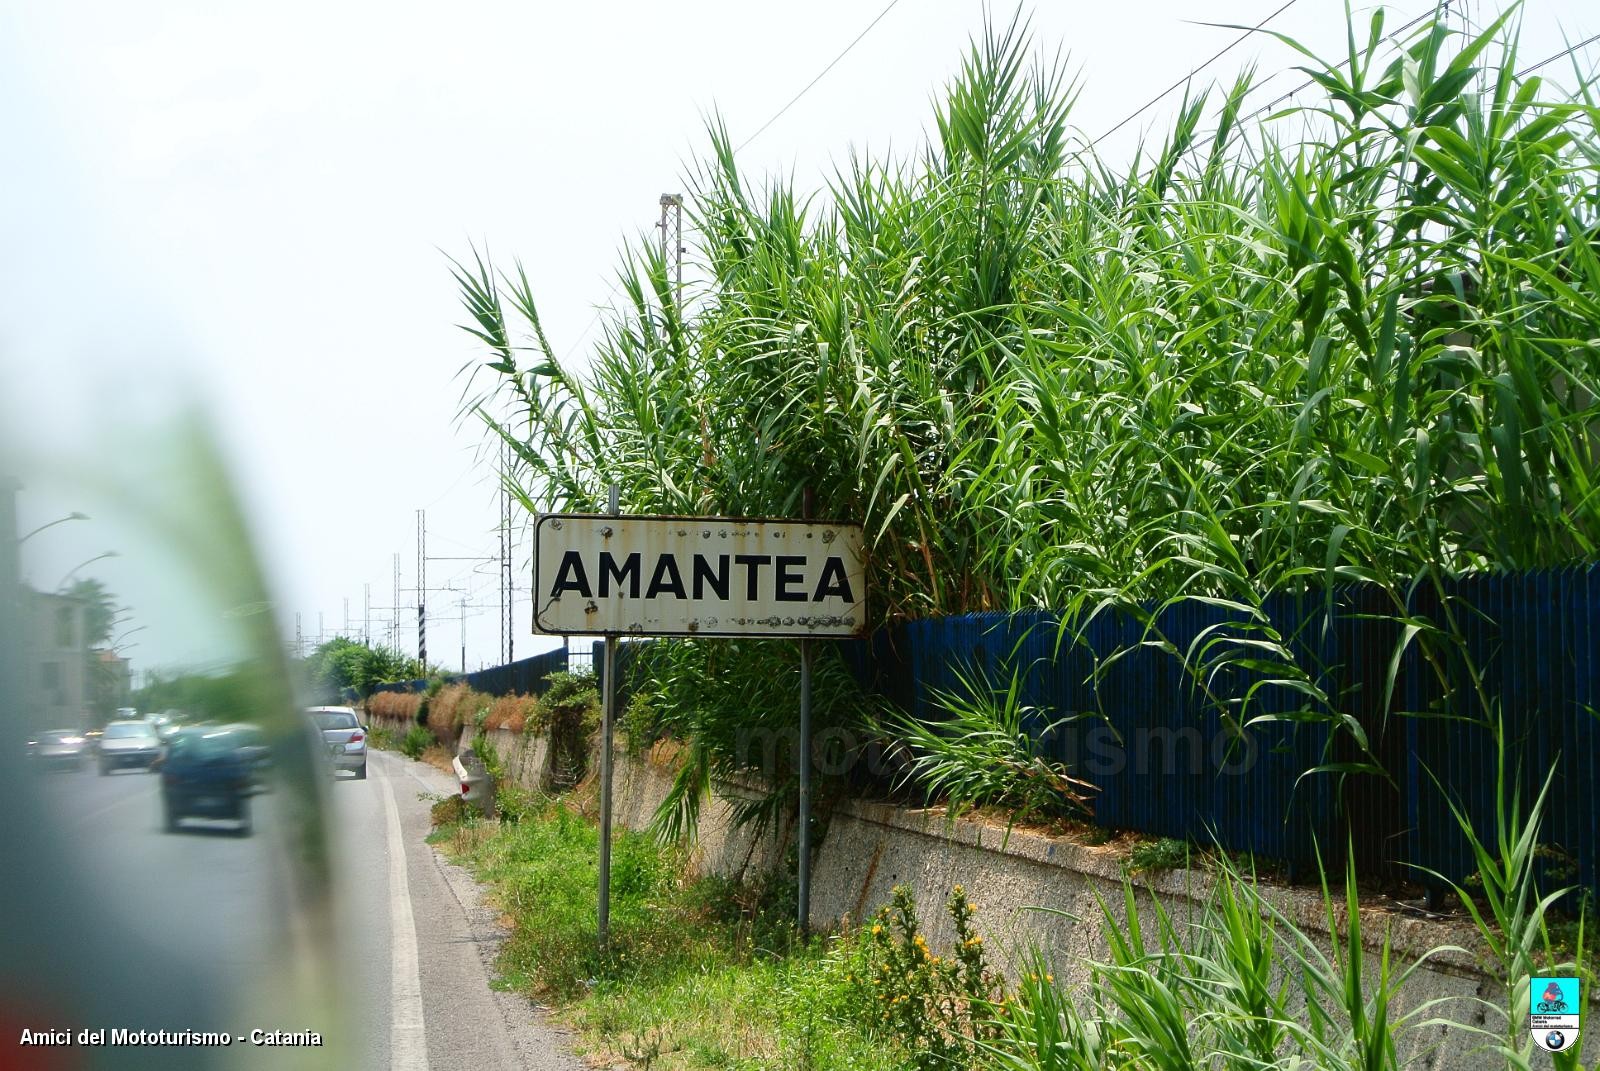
x: 1564, y: 52
x: 1180, y: 83
x: 822, y: 74
x: 1308, y: 83
x: 762, y: 129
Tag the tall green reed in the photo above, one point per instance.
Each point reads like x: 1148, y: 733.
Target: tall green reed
x: 1244, y: 363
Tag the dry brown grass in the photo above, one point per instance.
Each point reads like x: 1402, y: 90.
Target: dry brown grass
x: 454, y: 707
x: 398, y: 706
x: 511, y: 712
x: 440, y: 759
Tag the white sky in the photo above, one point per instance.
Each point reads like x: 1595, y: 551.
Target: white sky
x: 247, y: 203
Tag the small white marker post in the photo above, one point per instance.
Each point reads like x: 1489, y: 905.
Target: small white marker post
x: 608, y: 716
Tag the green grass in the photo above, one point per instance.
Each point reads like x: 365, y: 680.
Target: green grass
x: 415, y: 742
x: 699, y: 973
x: 383, y: 738
x: 706, y: 973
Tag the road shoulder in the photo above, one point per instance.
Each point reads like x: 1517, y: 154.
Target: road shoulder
x: 527, y: 1039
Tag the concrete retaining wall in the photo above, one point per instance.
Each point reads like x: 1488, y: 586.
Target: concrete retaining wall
x: 1030, y: 890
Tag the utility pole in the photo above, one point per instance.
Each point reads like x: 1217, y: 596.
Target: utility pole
x: 422, y: 588
x: 299, y: 638
x: 366, y: 614
x: 346, y: 630
x: 672, y: 244
x: 462, y: 603
x: 394, y: 608
x: 322, y: 630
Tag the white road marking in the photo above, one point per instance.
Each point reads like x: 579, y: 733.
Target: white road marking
x: 408, y: 1036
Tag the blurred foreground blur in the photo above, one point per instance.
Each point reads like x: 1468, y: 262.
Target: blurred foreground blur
x: 168, y: 869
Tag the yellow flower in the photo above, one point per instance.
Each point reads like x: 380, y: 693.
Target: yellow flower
x: 876, y: 930
x: 1050, y: 978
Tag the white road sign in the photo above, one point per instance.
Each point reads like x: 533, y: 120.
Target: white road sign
x: 697, y: 576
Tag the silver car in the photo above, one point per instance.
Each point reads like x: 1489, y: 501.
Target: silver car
x: 128, y: 743
x: 344, y: 736
x: 58, y: 749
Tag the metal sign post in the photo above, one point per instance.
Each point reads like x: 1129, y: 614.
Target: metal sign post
x: 608, y: 716
x: 609, y: 575
x: 803, y: 877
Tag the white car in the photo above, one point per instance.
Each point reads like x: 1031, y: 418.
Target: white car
x: 344, y: 736
x: 128, y: 743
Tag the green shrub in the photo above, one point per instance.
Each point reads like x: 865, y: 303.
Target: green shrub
x: 383, y: 738
x: 1154, y: 856
x: 640, y: 722
x: 450, y: 811
x: 939, y: 1007
x: 489, y: 755
x: 416, y: 741
x: 513, y: 803
x: 567, y: 715
x: 984, y: 750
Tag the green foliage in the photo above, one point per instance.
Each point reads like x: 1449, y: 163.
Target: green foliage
x: 513, y: 803
x: 100, y: 609
x: 416, y: 741
x: 1154, y: 856
x: 225, y: 697
x: 449, y: 811
x: 640, y: 723
x: 940, y: 1009
x: 1357, y: 348
x: 1239, y: 985
x: 546, y: 869
x: 342, y: 663
x: 700, y: 973
x: 736, y: 704
x: 571, y: 696
x: 568, y: 713
x: 982, y: 753
x: 489, y: 755
x: 383, y: 738
x: 1511, y: 912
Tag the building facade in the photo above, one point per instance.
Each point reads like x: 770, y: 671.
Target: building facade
x: 55, y: 666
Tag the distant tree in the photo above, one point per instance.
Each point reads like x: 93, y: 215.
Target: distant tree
x: 345, y: 663
x: 100, y: 609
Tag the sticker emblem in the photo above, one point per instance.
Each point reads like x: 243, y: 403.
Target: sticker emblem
x: 1554, y: 1005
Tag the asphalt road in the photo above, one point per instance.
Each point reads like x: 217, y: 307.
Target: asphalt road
x: 216, y: 931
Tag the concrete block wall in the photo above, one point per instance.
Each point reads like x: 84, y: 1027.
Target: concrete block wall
x: 1031, y: 890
